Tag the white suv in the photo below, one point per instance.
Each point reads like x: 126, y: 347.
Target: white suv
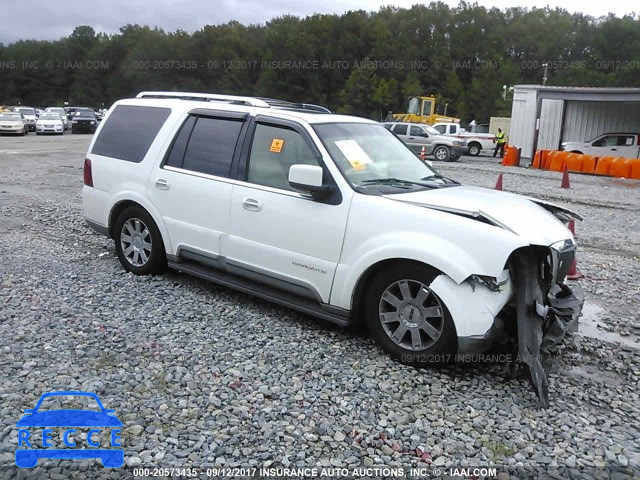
x: 333, y: 216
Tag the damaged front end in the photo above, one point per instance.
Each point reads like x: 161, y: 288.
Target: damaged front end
x: 545, y: 307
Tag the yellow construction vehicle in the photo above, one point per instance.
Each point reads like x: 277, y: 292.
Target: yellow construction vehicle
x: 423, y: 110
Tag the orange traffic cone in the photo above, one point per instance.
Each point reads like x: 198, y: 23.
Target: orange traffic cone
x: 423, y: 154
x: 498, y: 183
x: 565, y: 178
x: 574, y: 273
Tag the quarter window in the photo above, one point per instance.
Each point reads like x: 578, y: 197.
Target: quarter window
x: 129, y: 132
x: 211, y: 146
x: 400, y: 130
x: 273, y: 151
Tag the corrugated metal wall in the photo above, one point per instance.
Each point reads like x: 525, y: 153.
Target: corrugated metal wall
x: 586, y: 120
x: 523, y: 120
x: 550, y: 124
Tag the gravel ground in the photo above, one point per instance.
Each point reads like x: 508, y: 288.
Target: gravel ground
x: 204, y: 376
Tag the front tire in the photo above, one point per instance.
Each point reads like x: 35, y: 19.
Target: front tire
x: 138, y: 242
x: 442, y: 153
x: 407, y: 319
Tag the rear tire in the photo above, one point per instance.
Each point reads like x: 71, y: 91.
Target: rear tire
x: 442, y: 153
x: 138, y: 242
x: 408, y: 320
x: 474, y: 149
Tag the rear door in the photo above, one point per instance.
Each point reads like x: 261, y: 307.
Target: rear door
x: 191, y: 186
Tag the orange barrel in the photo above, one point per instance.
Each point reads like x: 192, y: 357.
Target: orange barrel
x: 635, y: 168
x: 558, y: 161
x: 602, y: 167
x: 547, y: 159
x: 589, y: 163
x: 620, y: 167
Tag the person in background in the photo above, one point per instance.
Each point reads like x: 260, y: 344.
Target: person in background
x: 500, y: 143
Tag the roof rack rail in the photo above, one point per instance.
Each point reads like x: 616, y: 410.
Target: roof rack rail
x: 206, y: 97
x: 238, y: 100
x: 275, y: 103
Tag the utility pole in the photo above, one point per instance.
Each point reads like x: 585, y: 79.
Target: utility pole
x: 544, y: 78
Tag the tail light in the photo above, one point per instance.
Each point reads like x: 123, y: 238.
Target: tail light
x: 88, y: 176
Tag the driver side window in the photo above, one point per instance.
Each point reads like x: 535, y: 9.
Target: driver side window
x: 273, y: 150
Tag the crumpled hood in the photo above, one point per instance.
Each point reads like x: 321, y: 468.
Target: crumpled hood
x: 512, y: 212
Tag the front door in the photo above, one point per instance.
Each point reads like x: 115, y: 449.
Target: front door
x: 280, y: 236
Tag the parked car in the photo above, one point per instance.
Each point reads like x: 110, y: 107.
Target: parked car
x: 50, y: 123
x: 13, y: 123
x: 625, y: 145
x: 331, y: 215
x: 29, y: 114
x: 416, y: 136
x: 83, y: 121
x: 476, y: 141
x: 62, y: 113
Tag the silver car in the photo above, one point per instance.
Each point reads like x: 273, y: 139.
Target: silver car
x: 416, y: 136
x: 29, y: 114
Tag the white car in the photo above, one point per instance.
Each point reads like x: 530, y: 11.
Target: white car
x: 331, y: 215
x: 476, y: 141
x: 29, y: 114
x: 62, y: 113
x: 14, y: 123
x: 625, y: 145
x: 50, y: 123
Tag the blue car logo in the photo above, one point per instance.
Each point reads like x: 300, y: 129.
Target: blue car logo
x: 67, y: 419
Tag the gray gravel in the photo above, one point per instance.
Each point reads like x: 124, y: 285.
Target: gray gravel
x: 204, y: 376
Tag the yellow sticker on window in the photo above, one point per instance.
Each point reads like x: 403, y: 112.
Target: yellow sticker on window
x: 358, y: 165
x: 276, y: 145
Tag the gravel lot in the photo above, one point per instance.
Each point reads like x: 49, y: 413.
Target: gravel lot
x: 204, y: 376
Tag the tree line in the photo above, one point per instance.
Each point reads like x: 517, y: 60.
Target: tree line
x: 363, y: 63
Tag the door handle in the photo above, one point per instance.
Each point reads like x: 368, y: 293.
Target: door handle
x: 162, y: 184
x: 614, y: 149
x: 251, y: 204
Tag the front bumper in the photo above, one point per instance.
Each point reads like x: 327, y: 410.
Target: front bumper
x: 80, y: 128
x: 18, y: 130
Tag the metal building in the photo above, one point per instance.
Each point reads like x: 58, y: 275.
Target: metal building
x: 544, y: 117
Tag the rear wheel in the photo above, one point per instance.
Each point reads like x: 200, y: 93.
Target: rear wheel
x: 407, y: 319
x: 138, y: 242
x: 474, y: 149
x: 442, y: 153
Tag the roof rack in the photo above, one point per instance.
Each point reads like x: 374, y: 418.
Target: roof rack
x: 237, y: 100
x: 207, y: 97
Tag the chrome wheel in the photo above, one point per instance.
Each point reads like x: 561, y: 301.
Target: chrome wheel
x: 135, y: 241
x: 474, y: 150
x: 411, y: 315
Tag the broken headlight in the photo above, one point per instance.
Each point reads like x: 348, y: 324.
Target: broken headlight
x: 492, y: 283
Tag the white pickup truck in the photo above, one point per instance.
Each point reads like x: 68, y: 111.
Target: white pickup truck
x: 475, y: 141
x: 625, y: 145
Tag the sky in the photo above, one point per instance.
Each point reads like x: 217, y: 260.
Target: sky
x: 50, y: 20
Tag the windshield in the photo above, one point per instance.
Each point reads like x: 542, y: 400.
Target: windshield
x: 431, y: 130
x: 55, y: 109
x: 50, y: 116
x: 9, y: 116
x: 27, y: 111
x: 368, y: 155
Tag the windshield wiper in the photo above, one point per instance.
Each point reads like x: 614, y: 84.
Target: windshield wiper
x: 441, y: 177
x: 396, y: 181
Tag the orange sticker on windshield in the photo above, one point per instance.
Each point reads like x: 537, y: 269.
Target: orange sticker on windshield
x: 276, y: 145
x: 356, y: 165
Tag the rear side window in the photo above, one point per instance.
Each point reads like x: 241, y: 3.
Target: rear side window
x: 129, y: 132
x: 176, y: 155
x: 211, y: 146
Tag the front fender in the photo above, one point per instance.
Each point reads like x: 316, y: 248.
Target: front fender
x: 437, y: 252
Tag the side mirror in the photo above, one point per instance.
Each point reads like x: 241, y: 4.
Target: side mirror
x: 307, y: 179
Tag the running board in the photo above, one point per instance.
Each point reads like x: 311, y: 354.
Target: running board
x: 320, y: 310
